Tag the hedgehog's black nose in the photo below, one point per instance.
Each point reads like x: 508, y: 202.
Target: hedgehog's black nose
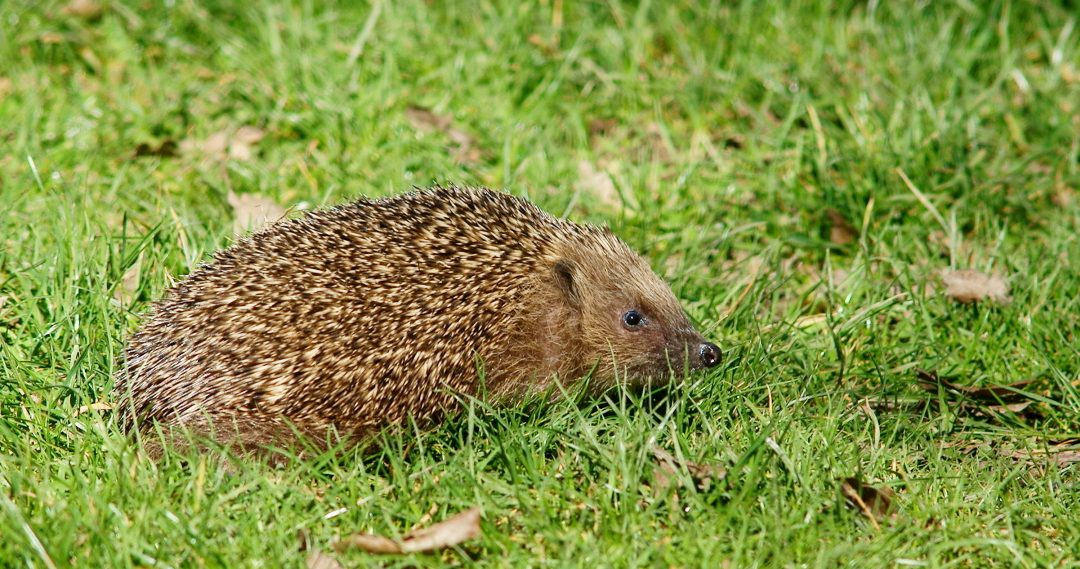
x: 709, y: 354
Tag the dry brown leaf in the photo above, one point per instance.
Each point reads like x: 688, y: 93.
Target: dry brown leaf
x: 319, y: 560
x: 51, y: 38
x: 874, y: 503
x: 5, y: 87
x: 998, y: 394
x: 85, y: 9
x: 1062, y: 197
x: 425, y: 120
x: 1058, y: 457
x: 252, y: 212
x: 1067, y: 457
x: 658, y: 143
x: 968, y: 285
x: 234, y: 144
x: 840, y: 231
x: 96, y: 406
x: 315, y: 559
x: 601, y: 127
x: 370, y: 543
x: 466, y: 154
x: 243, y: 141
x: 215, y: 146
x: 703, y: 475
x: 455, y: 530
x: 598, y: 184
x: 1011, y: 407
x: 129, y: 283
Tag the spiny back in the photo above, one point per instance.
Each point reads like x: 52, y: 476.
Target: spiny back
x: 366, y: 313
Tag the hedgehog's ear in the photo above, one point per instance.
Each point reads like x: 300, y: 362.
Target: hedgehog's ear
x: 566, y: 280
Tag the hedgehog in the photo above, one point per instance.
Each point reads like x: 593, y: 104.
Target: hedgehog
x: 366, y: 315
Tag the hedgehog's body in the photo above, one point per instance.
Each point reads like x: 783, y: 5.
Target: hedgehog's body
x: 363, y: 315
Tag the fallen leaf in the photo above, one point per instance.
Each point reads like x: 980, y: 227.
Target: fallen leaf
x: 315, y: 559
x: 51, y: 38
x: 601, y: 127
x: 97, y: 406
x: 215, y: 146
x: 658, y: 142
x: 370, y: 543
x: 1067, y: 457
x: 966, y: 446
x: 129, y: 283
x: 243, y: 141
x: 840, y: 231
x: 85, y: 9
x: 234, y: 144
x: 874, y: 503
x: 998, y: 394
x: 425, y: 120
x: 1011, y: 407
x: 968, y: 285
x: 598, y: 184
x: 319, y: 560
x: 455, y: 530
x: 252, y: 212
x: 1061, y: 454
x: 1062, y: 197
x: 548, y: 47
x: 5, y: 87
x: 703, y: 475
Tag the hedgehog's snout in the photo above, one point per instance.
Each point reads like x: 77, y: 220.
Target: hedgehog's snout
x: 696, y: 353
x: 709, y: 355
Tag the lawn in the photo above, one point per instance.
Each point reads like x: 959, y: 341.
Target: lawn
x: 804, y: 174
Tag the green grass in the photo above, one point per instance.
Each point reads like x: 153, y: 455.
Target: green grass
x: 730, y: 131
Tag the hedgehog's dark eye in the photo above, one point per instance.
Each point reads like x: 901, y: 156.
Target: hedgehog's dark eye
x: 633, y: 319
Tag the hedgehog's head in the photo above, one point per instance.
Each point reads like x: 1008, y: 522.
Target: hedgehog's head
x: 624, y: 319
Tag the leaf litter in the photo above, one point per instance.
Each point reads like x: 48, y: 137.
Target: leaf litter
x: 840, y: 231
x: 85, y: 9
x: 316, y: 559
x: 129, y: 284
x: 449, y: 533
x: 1061, y: 454
x: 96, y: 406
x: 252, y: 212
x: 997, y: 394
x: 598, y: 184
x: 985, y: 400
x: 875, y: 503
x: 226, y: 144
x: 668, y: 466
x: 968, y: 285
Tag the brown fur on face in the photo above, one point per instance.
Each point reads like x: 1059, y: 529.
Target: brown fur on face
x: 364, y: 315
x: 598, y: 283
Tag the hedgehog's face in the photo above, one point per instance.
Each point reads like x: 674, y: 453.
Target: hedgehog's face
x: 651, y: 338
x: 631, y: 324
